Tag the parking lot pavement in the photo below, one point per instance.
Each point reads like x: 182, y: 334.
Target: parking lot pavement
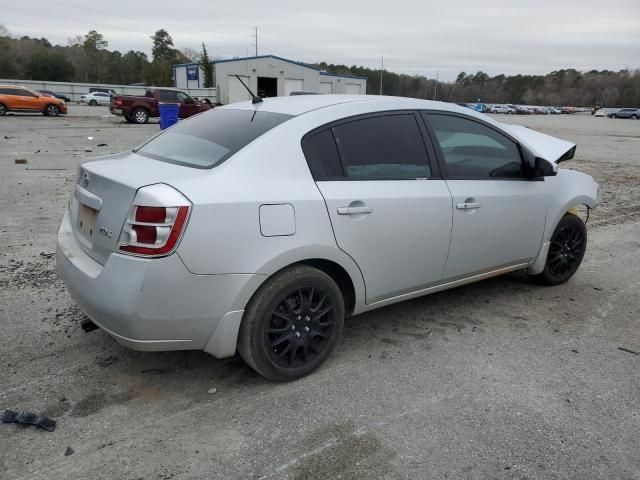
x: 500, y: 379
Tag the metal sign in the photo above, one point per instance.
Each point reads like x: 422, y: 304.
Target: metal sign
x: 192, y: 72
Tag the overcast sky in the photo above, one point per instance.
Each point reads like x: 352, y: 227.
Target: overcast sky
x: 414, y: 36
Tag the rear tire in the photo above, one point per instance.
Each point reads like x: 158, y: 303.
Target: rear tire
x: 635, y: 117
x: 292, y: 324
x: 140, y: 116
x: 3, y: 109
x: 51, y: 110
x: 567, y: 249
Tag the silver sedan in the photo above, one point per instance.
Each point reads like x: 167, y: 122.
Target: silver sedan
x: 258, y: 228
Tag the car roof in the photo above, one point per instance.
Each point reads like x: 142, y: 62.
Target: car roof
x: 14, y: 86
x: 300, y: 104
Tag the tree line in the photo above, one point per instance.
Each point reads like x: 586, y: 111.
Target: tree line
x: 559, y: 88
x: 87, y: 58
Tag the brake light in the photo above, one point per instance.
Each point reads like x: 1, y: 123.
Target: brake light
x: 118, y: 103
x: 151, y: 230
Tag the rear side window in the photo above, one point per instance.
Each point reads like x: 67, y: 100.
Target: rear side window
x: 207, y: 140
x: 168, y: 96
x: 322, y: 156
x: 473, y: 150
x: 384, y: 147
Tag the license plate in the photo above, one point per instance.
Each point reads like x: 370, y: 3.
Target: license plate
x: 87, y: 220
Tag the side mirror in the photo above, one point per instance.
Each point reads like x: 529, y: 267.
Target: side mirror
x: 544, y: 168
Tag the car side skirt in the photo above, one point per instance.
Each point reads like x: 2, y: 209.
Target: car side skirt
x: 446, y: 285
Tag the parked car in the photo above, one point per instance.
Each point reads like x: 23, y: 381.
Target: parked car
x: 501, y: 109
x: 96, y: 98
x: 568, y: 110
x: 259, y: 227
x: 109, y: 91
x: 53, y: 94
x: 137, y: 109
x: 633, y: 113
x: 522, y: 110
x: 20, y: 99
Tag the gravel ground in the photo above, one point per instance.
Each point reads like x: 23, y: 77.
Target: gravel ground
x: 502, y: 379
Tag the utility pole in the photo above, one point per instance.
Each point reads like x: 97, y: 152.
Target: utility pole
x: 435, y: 90
x: 381, y: 70
x: 255, y: 35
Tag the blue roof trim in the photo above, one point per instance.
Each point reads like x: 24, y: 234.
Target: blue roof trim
x: 344, y: 75
x: 240, y: 59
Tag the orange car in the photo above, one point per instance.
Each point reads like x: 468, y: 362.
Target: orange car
x: 20, y: 99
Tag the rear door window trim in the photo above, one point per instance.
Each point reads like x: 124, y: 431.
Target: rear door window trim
x: 430, y: 153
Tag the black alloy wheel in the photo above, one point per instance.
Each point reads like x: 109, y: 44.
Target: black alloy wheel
x: 292, y: 323
x: 566, y: 251
x: 300, y: 327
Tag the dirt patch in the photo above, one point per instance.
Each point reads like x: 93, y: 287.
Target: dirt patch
x: 39, y: 273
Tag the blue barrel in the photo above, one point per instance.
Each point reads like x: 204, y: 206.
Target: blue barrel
x: 168, y: 114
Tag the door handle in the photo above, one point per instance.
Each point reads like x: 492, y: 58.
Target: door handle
x: 354, y: 210
x: 468, y: 205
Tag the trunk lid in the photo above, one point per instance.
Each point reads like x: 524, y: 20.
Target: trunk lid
x: 104, y: 191
x: 542, y: 145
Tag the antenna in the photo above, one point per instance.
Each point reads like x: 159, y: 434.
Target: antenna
x: 255, y: 35
x: 254, y: 98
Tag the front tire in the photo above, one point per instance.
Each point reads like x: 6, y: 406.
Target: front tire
x: 3, y: 109
x: 140, y: 116
x: 51, y: 111
x: 292, y: 324
x: 567, y: 249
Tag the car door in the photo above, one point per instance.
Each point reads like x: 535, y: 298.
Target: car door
x: 389, y: 209
x: 498, y: 211
x: 25, y: 100
x: 188, y: 105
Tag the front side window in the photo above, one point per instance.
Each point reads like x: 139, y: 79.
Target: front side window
x: 207, y: 140
x: 181, y: 97
x: 473, y: 150
x: 384, y: 147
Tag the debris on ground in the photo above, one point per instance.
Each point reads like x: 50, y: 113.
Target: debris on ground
x: 106, y: 361
x: 212, y: 391
x: 50, y: 254
x: 102, y: 145
x: 68, y: 451
x: 20, y: 161
x: 628, y: 350
x: 28, y: 418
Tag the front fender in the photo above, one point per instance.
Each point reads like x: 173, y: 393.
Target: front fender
x: 566, y: 190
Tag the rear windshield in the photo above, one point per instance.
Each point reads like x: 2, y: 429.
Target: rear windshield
x: 209, y: 139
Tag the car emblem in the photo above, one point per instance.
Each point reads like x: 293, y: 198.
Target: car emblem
x: 106, y: 232
x: 85, y: 179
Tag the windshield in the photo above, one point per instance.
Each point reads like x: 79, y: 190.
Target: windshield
x: 209, y: 139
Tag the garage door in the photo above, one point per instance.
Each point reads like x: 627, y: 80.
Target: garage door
x: 352, y: 88
x: 292, y: 85
x: 236, y: 92
x: 325, y: 87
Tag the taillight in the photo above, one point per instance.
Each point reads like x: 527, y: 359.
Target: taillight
x: 152, y: 230
x: 118, y: 103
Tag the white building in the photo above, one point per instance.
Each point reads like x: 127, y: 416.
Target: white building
x: 268, y: 76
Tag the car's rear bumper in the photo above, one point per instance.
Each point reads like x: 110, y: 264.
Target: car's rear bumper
x: 149, y: 304
x: 116, y: 111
